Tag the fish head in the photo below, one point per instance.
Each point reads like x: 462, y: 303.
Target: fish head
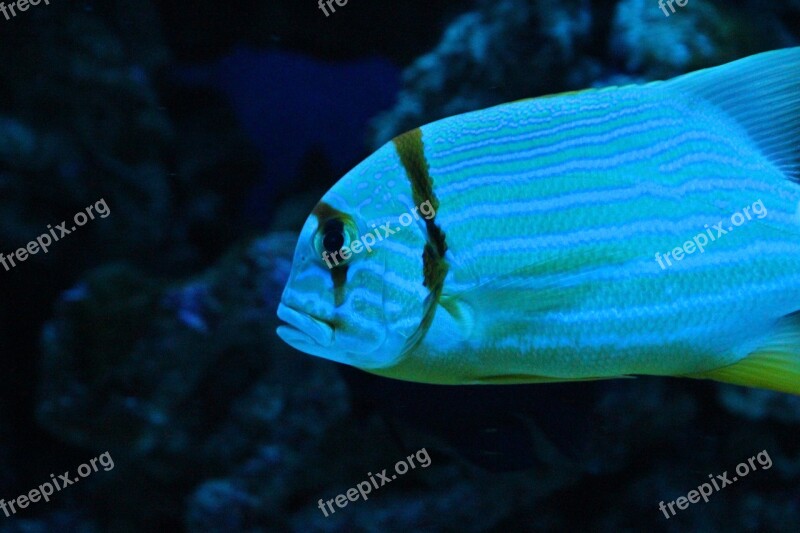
x: 359, y: 308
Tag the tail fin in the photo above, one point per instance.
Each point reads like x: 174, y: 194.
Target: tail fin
x: 775, y: 365
x: 762, y: 94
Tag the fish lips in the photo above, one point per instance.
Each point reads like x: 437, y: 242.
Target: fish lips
x: 304, y: 332
x: 316, y: 337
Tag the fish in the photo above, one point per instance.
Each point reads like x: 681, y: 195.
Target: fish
x: 641, y: 230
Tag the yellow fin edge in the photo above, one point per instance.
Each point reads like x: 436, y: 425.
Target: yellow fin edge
x: 776, y: 366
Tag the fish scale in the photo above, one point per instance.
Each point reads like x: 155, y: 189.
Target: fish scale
x: 544, y: 260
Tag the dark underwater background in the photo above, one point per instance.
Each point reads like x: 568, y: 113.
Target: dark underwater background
x: 210, y: 129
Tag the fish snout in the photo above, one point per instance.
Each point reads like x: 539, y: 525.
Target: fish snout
x: 303, y: 328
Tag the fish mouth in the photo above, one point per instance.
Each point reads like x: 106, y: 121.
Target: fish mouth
x: 303, y: 332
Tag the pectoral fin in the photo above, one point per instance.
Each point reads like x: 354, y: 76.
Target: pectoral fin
x: 557, y: 282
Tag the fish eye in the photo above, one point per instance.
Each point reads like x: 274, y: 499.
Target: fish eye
x: 333, y: 235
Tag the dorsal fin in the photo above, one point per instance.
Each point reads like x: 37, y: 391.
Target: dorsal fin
x: 762, y: 94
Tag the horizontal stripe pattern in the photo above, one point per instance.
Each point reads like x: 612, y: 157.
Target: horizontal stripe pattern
x: 627, y: 173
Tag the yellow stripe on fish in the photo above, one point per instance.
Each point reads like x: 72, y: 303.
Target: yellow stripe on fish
x: 545, y: 260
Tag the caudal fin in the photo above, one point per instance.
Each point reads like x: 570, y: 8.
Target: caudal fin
x: 775, y: 365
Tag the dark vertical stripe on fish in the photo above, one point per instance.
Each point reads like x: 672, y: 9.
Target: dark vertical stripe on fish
x: 339, y: 276
x: 325, y: 212
x: 410, y: 148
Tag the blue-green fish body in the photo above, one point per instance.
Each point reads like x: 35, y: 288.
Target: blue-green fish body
x: 637, y: 230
